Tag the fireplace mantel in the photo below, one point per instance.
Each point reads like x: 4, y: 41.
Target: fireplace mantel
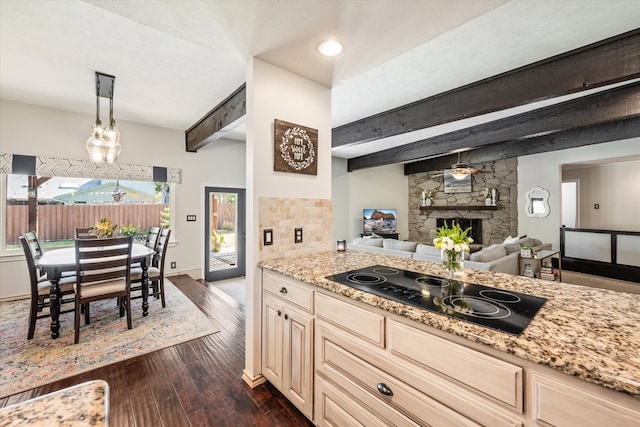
x: 459, y: 208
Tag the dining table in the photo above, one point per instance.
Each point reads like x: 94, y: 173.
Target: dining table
x: 56, y: 262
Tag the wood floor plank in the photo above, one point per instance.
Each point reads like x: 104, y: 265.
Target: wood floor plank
x: 196, y: 383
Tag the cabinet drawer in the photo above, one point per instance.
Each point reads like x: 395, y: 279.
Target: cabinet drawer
x: 336, y: 408
x: 493, y: 377
x: 362, y: 323
x: 561, y: 405
x: 288, y: 289
x: 363, y: 381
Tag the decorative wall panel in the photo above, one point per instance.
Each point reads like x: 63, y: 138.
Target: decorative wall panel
x: 55, y: 166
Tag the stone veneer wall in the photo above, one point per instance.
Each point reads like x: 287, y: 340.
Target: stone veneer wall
x: 284, y: 215
x: 496, y: 225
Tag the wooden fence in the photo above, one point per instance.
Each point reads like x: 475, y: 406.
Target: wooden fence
x: 58, y: 222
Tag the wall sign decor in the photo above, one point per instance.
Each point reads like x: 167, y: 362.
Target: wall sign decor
x: 295, y: 148
x: 453, y: 185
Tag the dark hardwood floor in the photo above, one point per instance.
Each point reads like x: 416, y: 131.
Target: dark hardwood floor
x: 197, y: 383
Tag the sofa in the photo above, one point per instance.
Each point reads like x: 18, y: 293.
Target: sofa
x: 501, y: 258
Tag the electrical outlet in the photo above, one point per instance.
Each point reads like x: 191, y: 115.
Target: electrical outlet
x: 596, y: 206
x: 173, y: 264
x: 298, y: 235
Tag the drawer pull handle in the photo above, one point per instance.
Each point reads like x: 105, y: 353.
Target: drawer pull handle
x: 382, y: 388
x: 283, y: 290
x: 279, y: 312
x: 286, y: 317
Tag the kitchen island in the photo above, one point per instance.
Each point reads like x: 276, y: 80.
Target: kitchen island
x: 582, y: 332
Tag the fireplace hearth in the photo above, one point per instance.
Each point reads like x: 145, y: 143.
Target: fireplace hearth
x: 474, y: 223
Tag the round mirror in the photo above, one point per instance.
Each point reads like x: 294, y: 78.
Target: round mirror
x: 537, y: 202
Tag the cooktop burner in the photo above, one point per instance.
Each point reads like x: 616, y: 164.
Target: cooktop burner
x: 505, y: 311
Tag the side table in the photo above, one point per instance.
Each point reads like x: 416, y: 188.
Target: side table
x: 540, y: 265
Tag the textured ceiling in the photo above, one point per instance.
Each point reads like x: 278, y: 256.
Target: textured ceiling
x: 175, y: 60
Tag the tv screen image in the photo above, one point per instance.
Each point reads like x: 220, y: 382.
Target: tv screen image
x: 379, y: 220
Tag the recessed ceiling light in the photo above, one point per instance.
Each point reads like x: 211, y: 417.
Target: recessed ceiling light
x: 330, y: 48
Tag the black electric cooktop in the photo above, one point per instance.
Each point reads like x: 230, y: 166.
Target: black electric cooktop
x: 505, y: 311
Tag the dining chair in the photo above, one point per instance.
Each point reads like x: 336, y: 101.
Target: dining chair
x: 156, y: 270
x: 85, y: 233
x: 151, y: 242
x: 41, y: 287
x: 103, y: 271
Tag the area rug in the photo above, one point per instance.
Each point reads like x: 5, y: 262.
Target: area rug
x: 26, y: 364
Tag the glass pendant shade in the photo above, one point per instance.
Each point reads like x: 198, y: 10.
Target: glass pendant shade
x: 95, y: 144
x: 459, y: 174
x: 111, y: 137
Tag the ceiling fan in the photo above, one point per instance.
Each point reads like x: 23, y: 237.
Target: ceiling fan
x: 461, y: 170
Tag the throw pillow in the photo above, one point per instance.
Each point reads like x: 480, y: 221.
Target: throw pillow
x: 510, y: 239
x: 489, y: 254
x: 399, y: 245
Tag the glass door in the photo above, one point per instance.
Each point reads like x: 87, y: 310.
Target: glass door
x: 225, y: 231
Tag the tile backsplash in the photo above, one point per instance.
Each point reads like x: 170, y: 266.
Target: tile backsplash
x: 284, y: 215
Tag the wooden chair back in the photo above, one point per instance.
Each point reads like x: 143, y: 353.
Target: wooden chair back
x: 30, y: 255
x: 161, y: 249
x: 34, y: 244
x: 102, y: 260
x: 85, y: 233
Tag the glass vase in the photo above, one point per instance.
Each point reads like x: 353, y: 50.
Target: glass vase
x: 452, y: 261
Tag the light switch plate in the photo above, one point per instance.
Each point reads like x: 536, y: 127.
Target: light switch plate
x: 267, y: 237
x: 298, y: 235
x: 191, y: 217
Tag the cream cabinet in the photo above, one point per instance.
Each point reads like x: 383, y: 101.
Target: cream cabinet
x: 345, y: 363
x: 287, y: 339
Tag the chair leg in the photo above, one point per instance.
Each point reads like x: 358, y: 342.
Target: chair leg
x: 33, y: 313
x: 87, y: 318
x: 161, y: 283
x: 76, y: 322
x: 121, y: 305
x: 127, y: 300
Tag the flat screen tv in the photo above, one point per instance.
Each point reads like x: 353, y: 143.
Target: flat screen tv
x: 379, y: 220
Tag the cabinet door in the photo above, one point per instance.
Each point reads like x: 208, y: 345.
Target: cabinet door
x: 272, y: 330
x: 297, y: 375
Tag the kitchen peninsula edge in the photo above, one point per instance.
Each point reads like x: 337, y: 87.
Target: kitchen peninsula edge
x: 589, y: 333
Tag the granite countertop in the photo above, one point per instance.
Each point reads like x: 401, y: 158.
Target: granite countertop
x: 84, y: 404
x: 590, y: 333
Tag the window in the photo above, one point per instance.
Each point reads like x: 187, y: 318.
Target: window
x: 64, y: 203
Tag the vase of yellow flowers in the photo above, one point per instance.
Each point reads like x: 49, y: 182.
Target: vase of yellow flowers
x: 453, y: 242
x: 104, y: 228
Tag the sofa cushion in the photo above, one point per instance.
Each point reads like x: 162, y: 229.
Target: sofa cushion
x: 428, y: 249
x: 511, y: 247
x: 399, y: 245
x: 491, y: 253
x: 377, y: 243
x: 536, y: 242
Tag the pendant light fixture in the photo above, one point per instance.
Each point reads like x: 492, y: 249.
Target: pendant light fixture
x: 103, y: 144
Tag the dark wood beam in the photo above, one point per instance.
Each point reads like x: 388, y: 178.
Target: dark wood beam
x: 219, y: 121
x: 612, y: 60
x: 588, y: 135
x: 608, y: 106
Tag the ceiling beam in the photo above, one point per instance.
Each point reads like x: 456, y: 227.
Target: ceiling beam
x: 599, y: 108
x: 588, y: 135
x: 612, y: 60
x: 216, y: 123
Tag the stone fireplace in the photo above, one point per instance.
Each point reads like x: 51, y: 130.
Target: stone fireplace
x: 488, y: 226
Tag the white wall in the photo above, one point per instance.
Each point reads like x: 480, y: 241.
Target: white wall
x: 383, y: 187
x: 545, y: 170
x: 340, y: 198
x: 615, y: 188
x: 31, y: 130
x: 274, y: 93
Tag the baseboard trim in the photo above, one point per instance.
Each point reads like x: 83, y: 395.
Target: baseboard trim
x: 252, y: 382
